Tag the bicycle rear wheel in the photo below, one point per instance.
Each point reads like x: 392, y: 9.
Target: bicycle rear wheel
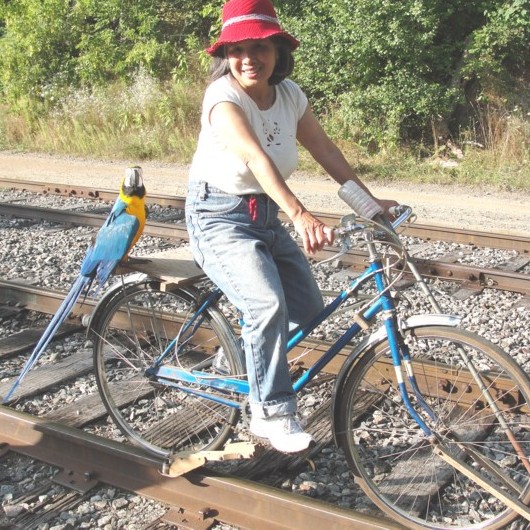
x: 398, y: 465
x: 136, y: 327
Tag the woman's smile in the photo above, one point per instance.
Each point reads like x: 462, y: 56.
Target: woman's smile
x: 252, y: 61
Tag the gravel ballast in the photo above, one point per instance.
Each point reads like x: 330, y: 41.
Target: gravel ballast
x: 49, y: 255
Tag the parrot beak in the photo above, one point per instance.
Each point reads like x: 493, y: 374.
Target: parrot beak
x: 133, y: 183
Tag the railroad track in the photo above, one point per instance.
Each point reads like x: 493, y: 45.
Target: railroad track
x: 481, y: 239
x: 85, y: 458
x: 57, y: 438
x: 472, y: 278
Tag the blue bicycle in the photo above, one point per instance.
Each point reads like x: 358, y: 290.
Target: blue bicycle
x: 433, y: 420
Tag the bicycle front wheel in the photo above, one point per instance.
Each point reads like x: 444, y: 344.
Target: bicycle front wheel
x: 140, y: 324
x: 401, y: 468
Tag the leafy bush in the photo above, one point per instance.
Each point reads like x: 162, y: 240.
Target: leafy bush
x: 51, y: 46
x: 386, y: 67
x: 386, y: 72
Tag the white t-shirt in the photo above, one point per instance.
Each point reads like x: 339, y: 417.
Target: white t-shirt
x: 275, y: 127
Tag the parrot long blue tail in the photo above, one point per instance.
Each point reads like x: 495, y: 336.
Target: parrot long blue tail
x: 59, y: 317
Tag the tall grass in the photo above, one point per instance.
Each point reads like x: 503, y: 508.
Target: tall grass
x: 494, y: 151
x: 144, y: 120
x: 498, y: 151
x: 149, y: 120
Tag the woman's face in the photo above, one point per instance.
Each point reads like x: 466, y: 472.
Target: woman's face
x: 252, y: 62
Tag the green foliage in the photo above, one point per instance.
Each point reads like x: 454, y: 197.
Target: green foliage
x: 499, y: 52
x: 381, y: 72
x: 387, y: 67
x: 51, y: 46
x: 30, y: 58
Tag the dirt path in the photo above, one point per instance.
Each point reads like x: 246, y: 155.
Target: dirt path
x: 438, y: 205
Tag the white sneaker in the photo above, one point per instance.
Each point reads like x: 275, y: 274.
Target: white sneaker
x: 220, y: 362
x: 283, y: 432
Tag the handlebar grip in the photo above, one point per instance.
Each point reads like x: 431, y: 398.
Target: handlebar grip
x: 359, y: 200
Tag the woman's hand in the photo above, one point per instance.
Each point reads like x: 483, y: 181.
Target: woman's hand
x: 314, y: 233
x: 386, y: 204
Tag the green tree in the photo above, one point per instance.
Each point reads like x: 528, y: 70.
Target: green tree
x: 389, y: 70
x: 36, y: 47
x: 387, y: 67
x: 50, y: 45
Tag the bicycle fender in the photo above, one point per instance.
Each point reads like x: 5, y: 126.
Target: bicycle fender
x: 378, y: 336
x: 107, y: 296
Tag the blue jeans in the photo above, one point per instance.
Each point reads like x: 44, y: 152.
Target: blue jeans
x: 244, y: 249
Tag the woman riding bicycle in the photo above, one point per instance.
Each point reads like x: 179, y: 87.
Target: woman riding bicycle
x: 252, y: 118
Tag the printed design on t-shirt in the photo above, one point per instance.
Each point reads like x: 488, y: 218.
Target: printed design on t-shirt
x: 272, y: 133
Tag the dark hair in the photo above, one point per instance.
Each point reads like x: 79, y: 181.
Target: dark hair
x: 284, y: 65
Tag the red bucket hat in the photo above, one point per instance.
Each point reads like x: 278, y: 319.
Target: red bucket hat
x: 249, y: 19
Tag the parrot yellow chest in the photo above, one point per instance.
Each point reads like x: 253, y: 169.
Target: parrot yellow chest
x: 136, y: 208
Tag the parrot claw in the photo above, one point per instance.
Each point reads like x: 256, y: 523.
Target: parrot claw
x: 138, y: 261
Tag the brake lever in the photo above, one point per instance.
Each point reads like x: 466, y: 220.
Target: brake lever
x: 346, y: 246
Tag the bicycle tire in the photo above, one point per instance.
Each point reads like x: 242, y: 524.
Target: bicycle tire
x: 133, y: 329
x: 394, y: 461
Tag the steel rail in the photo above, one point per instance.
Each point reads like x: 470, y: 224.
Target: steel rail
x: 305, y: 354
x: 428, y: 232
x: 199, y: 495
x: 41, y: 299
x: 48, y: 301
x: 474, y: 278
x: 83, y: 192
x: 173, y: 231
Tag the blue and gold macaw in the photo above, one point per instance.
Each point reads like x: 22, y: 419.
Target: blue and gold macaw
x: 112, y: 244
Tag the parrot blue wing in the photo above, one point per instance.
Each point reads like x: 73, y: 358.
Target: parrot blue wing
x: 111, y: 245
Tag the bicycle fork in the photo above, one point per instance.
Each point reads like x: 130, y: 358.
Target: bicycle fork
x: 400, y: 352
x: 398, y: 348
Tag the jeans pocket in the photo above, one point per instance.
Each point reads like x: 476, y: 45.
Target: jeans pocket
x: 217, y: 204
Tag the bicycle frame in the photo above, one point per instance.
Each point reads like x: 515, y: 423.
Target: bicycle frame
x: 382, y: 303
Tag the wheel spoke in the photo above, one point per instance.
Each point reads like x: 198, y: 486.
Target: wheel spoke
x: 142, y: 326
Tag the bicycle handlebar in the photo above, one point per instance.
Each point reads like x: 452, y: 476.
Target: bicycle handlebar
x: 350, y: 224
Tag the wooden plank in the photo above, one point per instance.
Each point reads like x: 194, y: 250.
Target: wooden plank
x: 80, y: 412
x: 44, y: 377
x: 88, y: 409
x: 516, y: 263
x: 171, y: 430
x: 172, y: 267
x: 8, y: 311
x: 419, y: 476
x: 26, y: 339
